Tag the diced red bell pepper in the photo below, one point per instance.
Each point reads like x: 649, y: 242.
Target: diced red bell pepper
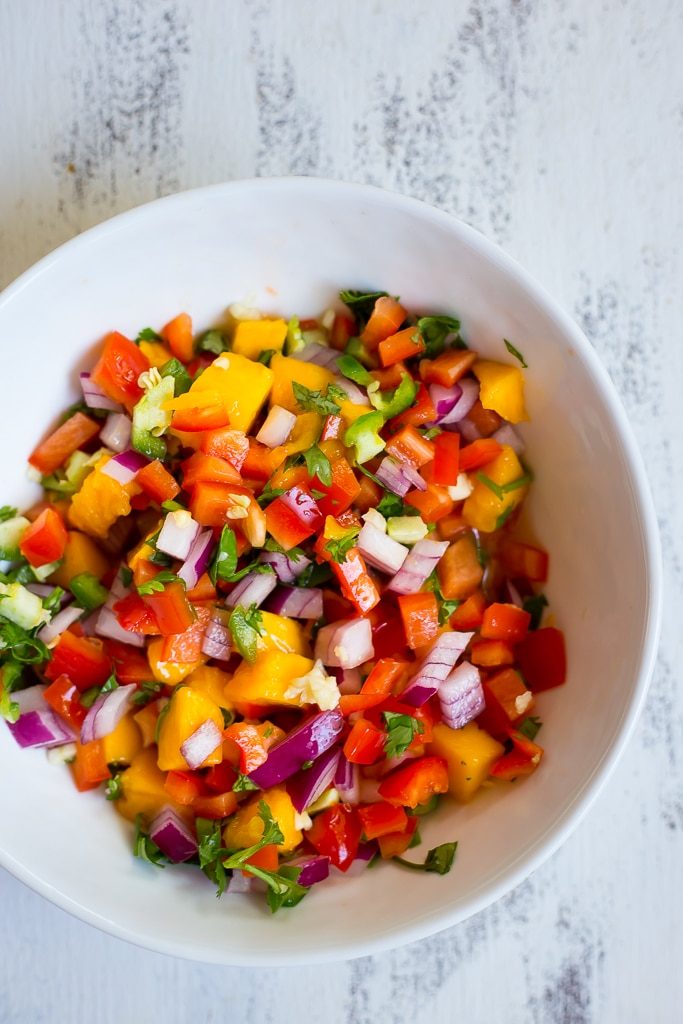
x: 118, y: 369
x: 226, y: 443
x: 486, y: 421
x: 82, y: 659
x: 186, y: 648
x: 200, y: 418
x: 157, y: 482
x: 343, y: 328
x: 446, y: 459
x: 451, y: 525
x: 64, y: 698
x: 220, y: 805
x: 389, y: 377
x: 178, y: 335
x: 44, y: 541
x: 184, y: 787
x: 336, y: 607
x: 336, y: 834
x: 89, y: 767
x: 341, y: 493
x: 200, y: 468
x: 505, y: 622
x: 420, y: 614
x: 172, y: 610
x: 381, y: 819
x: 203, y: 590
x: 415, y: 782
x: 369, y: 494
x: 209, y: 503
x: 448, y: 368
x: 376, y: 687
x: 542, y: 659
x: 293, y: 517
x: 130, y: 665
x: 385, y: 319
x: 356, y: 583
x: 478, y: 454
x: 333, y: 427
x: 523, y: 759
x: 388, y: 635
x: 365, y: 743
x: 253, y: 749
x: 507, y: 702
x: 421, y: 411
x: 469, y: 615
x: 433, y: 503
x: 524, y: 560
x: 408, y: 445
x: 404, y: 344
x: 56, y: 449
x: 220, y: 777
x: 396, y: 843
x: 132, y: 613
x: 267, y: 858
x: 491, y: 653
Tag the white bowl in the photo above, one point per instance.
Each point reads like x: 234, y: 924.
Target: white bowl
x: 288, y: 246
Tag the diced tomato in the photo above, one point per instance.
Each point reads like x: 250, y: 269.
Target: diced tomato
x: 89, y: 767
x: 356, y: 583
x: 505, y: 622
x: 225, y: 443
x: 333, y: 427
x: 486, y: 421
x: 220, y: 805
x: 459, y: 570
x: 369, y: 494
x: 446, y: 459
x: 266, y: 858
x: 157, y: 482
x: 415, y: 782
x: 433, y: 504
x: 542, y: 659
x: 396, y: 843
x: 523, y: 759
x: 56, y: 449
x: 220, y: 777
x: 200, y: 468
x: 365, y: 743
x: 44, y: 541
x: 448, y: 368
x: 336, y: 834
x: 178, y: 335
x: 341, y: 493
x: 201, y: 417
x: 293, y: 517
x: 385, y: 319
x: 172, y: 610
x: 130, y: 665
x: 420, y: 614
x: 343, y: 328
x: 524, y: 560
x: 408, y: 445
x: 376, y: 687
x: 403, y: 345
x: 381, y: 819
x: 64, y: 698
x: 185, y: 648
x: 469, y: 615
x: 184, y: 787
x: 132, y: 613
x: 491, y: 653
x: 421, y: 411
x: 118, y: 369
x: 478, y: 454
x: 82, y: 659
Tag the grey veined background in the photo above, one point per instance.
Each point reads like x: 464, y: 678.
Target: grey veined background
x: 555, y: 127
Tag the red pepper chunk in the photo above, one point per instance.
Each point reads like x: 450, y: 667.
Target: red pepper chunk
x: 118, y: 369
x: 225, y: 443
x: 336, y: 834
x: 89, y: 767
x: 64, y: 698
x: 542, y: 659
x: 421, y: 411
x: 253, y: 749
x: 356, y: 583
x: 479, y: 453
x: 524, y: 560
x: 381, y: 819
x: 376, y: 687
x: 186, y: 648
x: 396, y: 843
x: 81, y: 658
x: 365, y: 743
x: 415, y: 783
x: 341, y: 493
x: 157, y: 482
x: 44, y: 541
x: 132, y: 613
x: 523, y: 759
x: 184, y: 787
x: 420, y: 614
x: 130, y: 665
x: 293, y: 517
x: 505, y: 622
x: 446, y: 459
x: 56, y: 449
x: 172, y: 610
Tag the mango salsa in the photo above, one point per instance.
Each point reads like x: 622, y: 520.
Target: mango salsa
x: 80, y: 555
x: 187, y: 710
x: 99, y: 503
x: 469, y: 753
x: 142, y: 786
x: 245, y: 828
x: 267, y: 679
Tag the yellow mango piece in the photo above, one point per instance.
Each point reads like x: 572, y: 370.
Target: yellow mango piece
x: 142, y: 786
x: 146, y: 720
x: 121, y: 745
x: 245, y: 827
x: 483, y: 508
x: 252, y: 337
x: 350, y: 412
x: 144, y: 550
x: 99, y: 503
x: 469, y: 753
x: 80, y: 555
x: 286, y: 370
x: 169, y: 672
x: 502, y: 389
x: 243, y: 387
x: 211, y: 681
x: 282, y: 634
x: 334, y: 530
x: 157, y: 353
x: 267, y: 679
x: 187, y: 711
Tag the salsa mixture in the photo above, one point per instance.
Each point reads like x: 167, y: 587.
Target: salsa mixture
x: 272, y: 603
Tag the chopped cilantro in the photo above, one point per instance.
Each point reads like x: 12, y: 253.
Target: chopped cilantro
x: 145, y: 848
x: 401, y: 731
x: 245, y: 627
x: 113, y: 790
x: 530, y: 727
x: 147, y: 334
x: 269, y: 494
x: 266, y: 356
x: 440, y: 859
x: 339, y: 547
x: 210, y: 850
x: 7, y: 512
x: 212, y: 341
x: 24, y: 648
x: 224, y: 561
x: 422, y: 809
x: 148, y: 691
x: 315, y: 401
x: 182, y: 380
x: 160, y: 581
x: 126, y: 575
x: 361, y: 304
x: 318, y: 464
x: 535, y: 605
x: 243, y: 784
x: 516, y: 353
x: 437, y: 332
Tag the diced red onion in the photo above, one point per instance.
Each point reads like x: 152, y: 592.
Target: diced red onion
x: 172, y: 836
x: 420, y: 563
x: 106, y: 713
x: 115, y: 433
x: 39, y: 728
x: 242, y: 884
x: 345, y: 644
x: 309, y: 784
x: 286, y: 569
x: 217, y: 642
x: 197, y: 559
x: 461, y: 696
x: 61, y: 621
x: 201, y: 744
x: 89, y: 623
x: 109, y: 627
x: 390, y: 763
x: 124, y: 467
x: 30, y: 699
x: 435, y: 668
x: 347, y: 781
x: 353, y: 392
x: 321, y: 355
x: 468, y: 431
x: 392, y: 476
x: 94, y: 396
x: 277, y: 427
x: 178, y: 534
x: 46, y: 590
x: 365, y: 853
x: 253, y: 589
x: 469, y: 393
x: 348, y: 679
x: 313, y: 868
x: 514, y: 594
x: 444, y: 399
x: 305, y: 743
x: 509, y: 436
x: 297, y: 602
x: 369, y: 791
x: 380, y: 550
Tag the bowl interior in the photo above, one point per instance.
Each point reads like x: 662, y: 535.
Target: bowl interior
x: 288, y: 247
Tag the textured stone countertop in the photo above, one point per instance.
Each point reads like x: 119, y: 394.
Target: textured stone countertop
x: 556, y: 128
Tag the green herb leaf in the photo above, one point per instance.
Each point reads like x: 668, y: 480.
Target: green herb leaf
x: 25, y: 648
x: 361, y: 304
x: 53, y: 602
x: 109, y: 685
x: 269, y: 494
x: 246, y: 625
x: 422, y: 809
x: 318, y: 464
x: 515, y: 352
x: 11, y: 674
x: 224, y: 561
x: 182, y: 380
x: 504, y: 516
x: 530, y: 727
x: 339, y: 547
x: 148, y: 691
x: 391, y: 505
x: 439, y: 860
x: 210, y: 851
x: 126, y: 575
x: 491, y: 484
x: 415, y: 840
x: 438, y: 332
x: 113, y: 790
x: 243, y: 784
x: 88, y: 591
x: 535, y: 605
x: 446, y: 607
x: 314, y: 575
x: 145, y: 848
x: 314, y: 401
x: 212, y: 341
x: 172, y: 506
x: 430, y: 434
x: 353, y: 369
x: 401, y: 731
x: 89, y: 696
x: 266, y: 355
x: 272, y: 834
x: 160, y: 581
x: 160, y: 720
x: 283, y: 887
x: 514, y: 485
x: 7, y: 512
x: 147, y: 334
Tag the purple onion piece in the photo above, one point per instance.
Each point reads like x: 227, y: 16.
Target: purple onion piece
x: 509, y: 436
x: 108, y: 626
x: 253, y: 589
x: 201, y: 744
x: 217, y: 641
x: 345, y: 644
x: 106, y: 713
x: 115, y: 433
x: 40, y: 728
x: 305, y: 743
x: 391, y: 476
x: 296, y: 602
x: 380, y: 550
x: 461, y: 696
x: 444, y: 399
x: 321, y: 355
x: 172, y: 836
x: 435, y: 668
x: 347, y: 781
x: 469, y: 393
x: 286, y: 569
x: 420, y: 563
x: 309, y: 784
x: 313, y: 869
x: 62, y: 620
x: 94, y: 396
x: 197, y: 559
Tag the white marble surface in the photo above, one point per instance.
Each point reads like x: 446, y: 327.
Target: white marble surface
x: 556, y: 127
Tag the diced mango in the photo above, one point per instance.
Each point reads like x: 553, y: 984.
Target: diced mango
x: 252, y: 337
x: 245, y: 827
x: 351, y: 412
x: 99, y: 503
x: 187, y: 711
x: 286, y: 369
x: 282, y: 634
x: 211, y: 681
x: 242, y: 384
x: 146, y: 719
x: 157, y: 353
x: 80, y: 555
x: 169, y: 672
x: 121, y: 745
x: 267, y: 679
x: 469, y: 753
x: 502, y: 389
x: 144, y: 550
x: 484, y: 508
x: 142, y: 786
